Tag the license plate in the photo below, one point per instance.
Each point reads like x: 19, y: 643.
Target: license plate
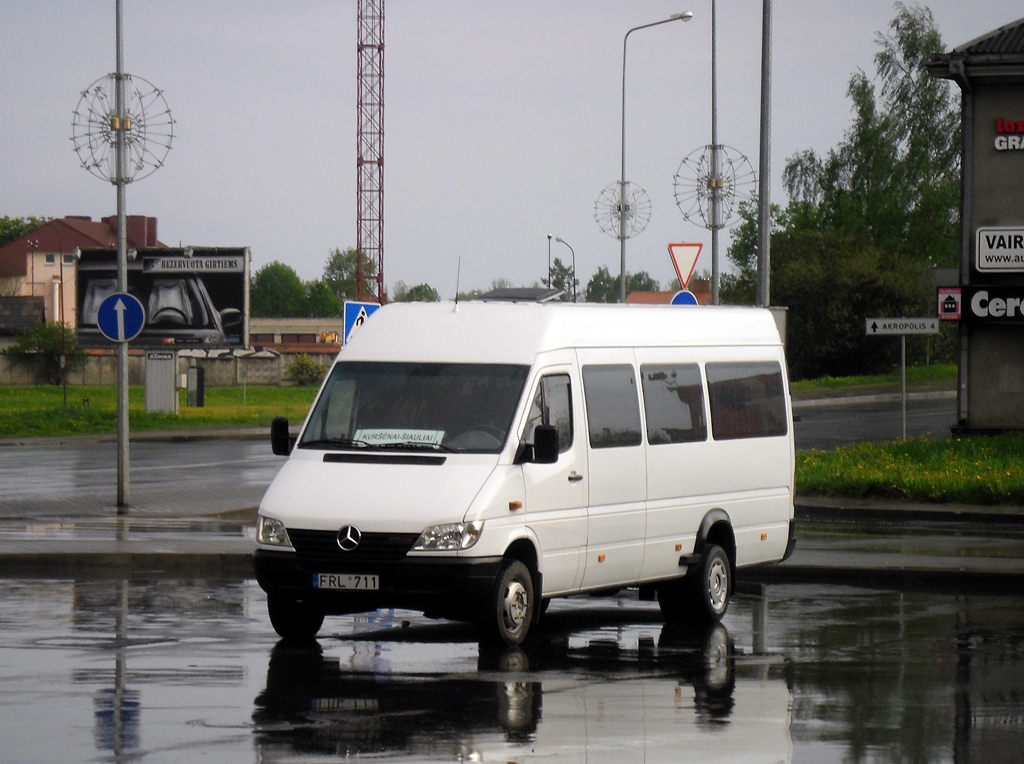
x: 345, y: 581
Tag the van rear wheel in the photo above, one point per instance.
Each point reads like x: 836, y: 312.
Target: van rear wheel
x: 703, y: 594
x: 509, y: 609
x: 292, y: 619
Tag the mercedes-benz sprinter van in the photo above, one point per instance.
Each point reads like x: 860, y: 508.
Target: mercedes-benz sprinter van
x: 473, y: 460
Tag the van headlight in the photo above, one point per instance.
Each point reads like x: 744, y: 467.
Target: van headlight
x: 449, y: 538
x: 271, y: 532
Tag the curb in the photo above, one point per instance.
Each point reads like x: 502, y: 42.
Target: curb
x: 128, y: 565
x: 903, y: 578
x: 845, y: 510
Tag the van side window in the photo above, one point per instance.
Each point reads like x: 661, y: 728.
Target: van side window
x: 613, y: 405
x: 674, y: 403
x: 553, y: 405
x: 747, y: 400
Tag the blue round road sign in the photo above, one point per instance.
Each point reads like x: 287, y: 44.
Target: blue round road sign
x: 120, y: 317
x: 684, y: 297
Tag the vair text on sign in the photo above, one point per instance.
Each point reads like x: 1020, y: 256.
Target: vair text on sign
x: 1000, y: 249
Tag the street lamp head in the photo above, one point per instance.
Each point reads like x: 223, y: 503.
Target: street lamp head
x: 560, y: 239
x: 684, y: 16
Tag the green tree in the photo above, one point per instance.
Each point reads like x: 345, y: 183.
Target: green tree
x: 15, y: 228
x: 864, y: 223
x: 50, y: 347
x: 563, y: 277
x: 418, y: 293
x: 340, y: 271
x: 321, y: 301
x: 603, y: 287
x: 276, y: 291
x: 739, y: 287
x: 831, y: 283
x: 498, y: 283
x: 893, y: 181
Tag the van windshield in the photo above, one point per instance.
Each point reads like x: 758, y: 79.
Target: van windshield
x: 440, y: 406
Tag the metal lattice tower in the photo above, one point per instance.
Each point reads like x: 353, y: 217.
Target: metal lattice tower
x: 370, y: 153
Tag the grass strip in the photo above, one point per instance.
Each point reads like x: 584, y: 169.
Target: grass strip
x: 40, y: 411
x: 971, y: 470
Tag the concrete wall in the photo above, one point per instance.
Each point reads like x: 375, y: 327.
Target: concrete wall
x: 223, y: 371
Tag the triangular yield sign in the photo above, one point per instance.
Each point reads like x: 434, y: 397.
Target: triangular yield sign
x: 684, y: 259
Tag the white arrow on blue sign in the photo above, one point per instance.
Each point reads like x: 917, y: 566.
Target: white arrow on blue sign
x: 120, y: 317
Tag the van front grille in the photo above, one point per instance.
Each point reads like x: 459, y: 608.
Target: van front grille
x: 320, y: 548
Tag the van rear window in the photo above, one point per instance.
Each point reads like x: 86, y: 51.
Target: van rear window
x: 747, y: 400
x: 673, y: 403
x: 613, y: 406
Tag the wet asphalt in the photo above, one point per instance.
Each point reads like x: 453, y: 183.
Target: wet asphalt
x: 205, y: 528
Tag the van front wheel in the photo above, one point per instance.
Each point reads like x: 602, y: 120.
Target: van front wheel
x: 509, y: 610
x: 703, y: 594
x: 292, y: 619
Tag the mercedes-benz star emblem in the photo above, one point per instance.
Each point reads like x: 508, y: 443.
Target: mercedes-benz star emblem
x: 349, y: 537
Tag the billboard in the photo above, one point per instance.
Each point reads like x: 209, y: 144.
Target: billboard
x: 192, y: 296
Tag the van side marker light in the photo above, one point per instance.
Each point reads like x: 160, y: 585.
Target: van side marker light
x: 514, y: 505
x: 679, y: 547
x: 764, y: 537
x: 600, y: 558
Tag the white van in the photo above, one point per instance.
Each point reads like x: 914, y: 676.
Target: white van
x: 473, y: 460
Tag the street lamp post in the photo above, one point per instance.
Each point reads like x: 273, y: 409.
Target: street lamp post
x: 33, y: 246
x: 63, y: 322
x: 764, y: 205
x: 549, y: 261
x: 685, y: 16
x: 563, y: 241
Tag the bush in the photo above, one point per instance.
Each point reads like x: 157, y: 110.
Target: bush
x: 51, y: 348
x: 304, y: 371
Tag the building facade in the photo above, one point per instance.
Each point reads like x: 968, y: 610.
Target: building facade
x: 989, y: 299
x: 43, y: 262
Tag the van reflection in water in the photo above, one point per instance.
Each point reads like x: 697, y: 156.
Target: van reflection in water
x: 560, y: 694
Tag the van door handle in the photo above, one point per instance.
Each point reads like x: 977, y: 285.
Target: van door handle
x: 575, y: 477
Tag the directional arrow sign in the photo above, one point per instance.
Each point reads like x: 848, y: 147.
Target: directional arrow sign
x: 120, y: 317
x: 356, y: 314
x: 875, y: 326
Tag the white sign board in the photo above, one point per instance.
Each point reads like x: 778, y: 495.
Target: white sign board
x: 1000, y: 250
x: 901, y: 326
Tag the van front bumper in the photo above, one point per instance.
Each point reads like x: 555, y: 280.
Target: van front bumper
x: 445, y: 587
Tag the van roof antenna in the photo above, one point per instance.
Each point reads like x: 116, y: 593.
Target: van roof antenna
x: 458, y: 274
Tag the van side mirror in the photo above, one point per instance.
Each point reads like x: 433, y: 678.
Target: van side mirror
x: 281, y: 441
x: 545, y: 444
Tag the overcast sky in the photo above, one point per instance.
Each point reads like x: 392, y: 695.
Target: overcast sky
x: 502, y: 119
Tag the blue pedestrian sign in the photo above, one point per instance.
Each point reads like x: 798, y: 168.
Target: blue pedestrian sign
x: 120, y: 317
x: 356, y: 314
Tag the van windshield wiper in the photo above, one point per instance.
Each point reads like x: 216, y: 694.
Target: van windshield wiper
x: 417, y: 446
x: 336, y: 443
